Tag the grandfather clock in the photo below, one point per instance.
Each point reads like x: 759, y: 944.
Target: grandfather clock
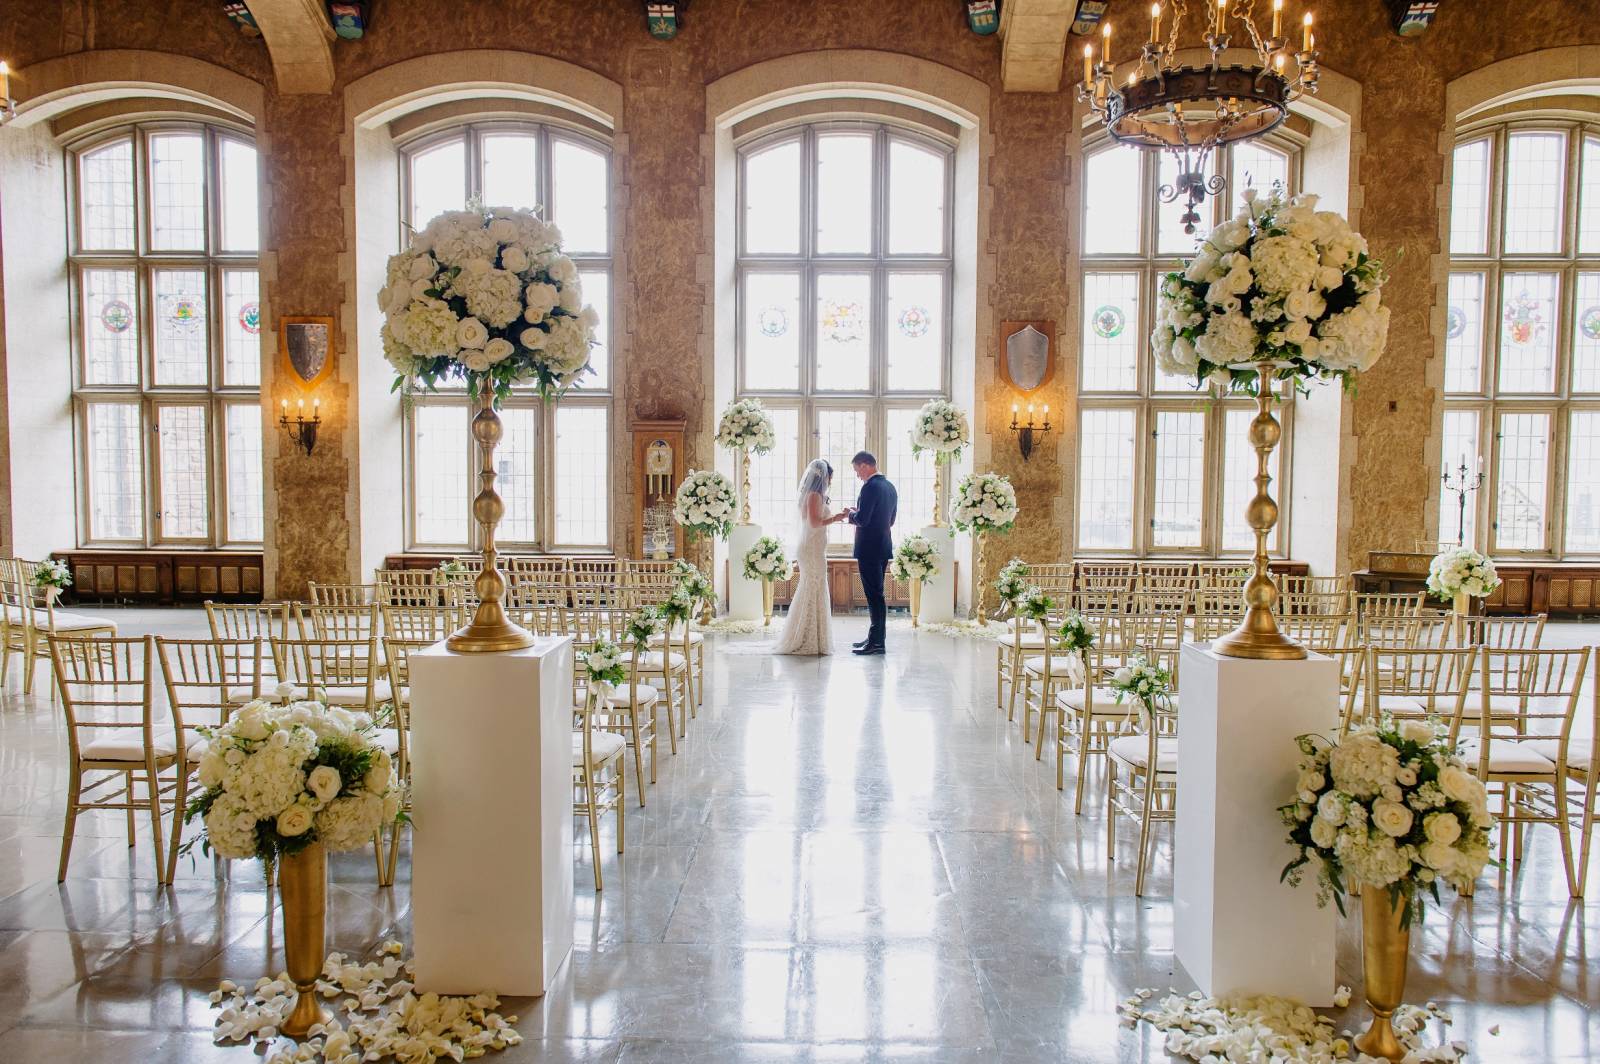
x: 657, y: 470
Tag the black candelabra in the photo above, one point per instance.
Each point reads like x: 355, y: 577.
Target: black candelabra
x: 1464, y: 483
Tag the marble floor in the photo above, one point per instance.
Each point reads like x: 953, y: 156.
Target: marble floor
x: 850, y: 860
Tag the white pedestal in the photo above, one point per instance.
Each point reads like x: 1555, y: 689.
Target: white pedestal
x: 491, y: 864
x: 939, y: 594
x: 744, y: 596
x: 1235, y: 927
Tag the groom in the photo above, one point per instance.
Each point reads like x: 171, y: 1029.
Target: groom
x: 873, y: 516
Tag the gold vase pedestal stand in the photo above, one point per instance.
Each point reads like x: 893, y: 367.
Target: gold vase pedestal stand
x: 978, y: 617
x: 766, y: 603
x: 1385, y: 951
x: 1257, y: 635
x: 916, y: 603
x: 490, y: 630
x: 303, y: 887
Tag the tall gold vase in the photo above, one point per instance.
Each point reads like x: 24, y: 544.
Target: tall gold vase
x: 1257, y: 635
x: 490, y: 630
x: 938, y: 482
x: 766, y: 603
x: 1385, y: 949
x: 983, y: 585
x: 744, y: 486
x: 916, y: 603
x: 303, y: 887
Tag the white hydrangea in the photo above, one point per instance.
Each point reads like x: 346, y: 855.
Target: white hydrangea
x: 984, y: 502
x: 1462, y: 570
x: 1284, y: 264
x: 1352, y: 340
x: 705, y: 502
x: 746, y: 426
x: 941, y: 427
x: 1228, y: 339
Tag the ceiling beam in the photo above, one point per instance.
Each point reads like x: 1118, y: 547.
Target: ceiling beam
x: 1034, y: 41
x: 300, y: 41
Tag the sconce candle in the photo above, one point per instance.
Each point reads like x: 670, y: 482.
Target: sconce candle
x: 301, y: 429
x: 1030, y: 431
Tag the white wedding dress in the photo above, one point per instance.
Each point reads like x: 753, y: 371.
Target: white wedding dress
x: 808, y: 629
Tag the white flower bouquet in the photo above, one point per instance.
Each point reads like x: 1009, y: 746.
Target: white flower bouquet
x: 941, y: 427
x: 705, y: 504
x: 52, y: 573
x: 697, y: 588
x: 277, y: 778
x: 984, y: 502
x: 1142, y: 681
x: 677, y: 608
x: 486, y: 296
x: 1074, y: 635
x: 452, y: 568
x: 600, y: 664
x: 1387, y: 806
x: 1035, y: 605
x: 745, y: 426
x: 1461, y: 570
x: 1278, y: 282
x: 645, y: 624
x: 765, y: 560
x: 915, y: 559
x: 1012, y: 582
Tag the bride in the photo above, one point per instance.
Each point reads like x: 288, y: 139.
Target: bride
x: 807, y: 631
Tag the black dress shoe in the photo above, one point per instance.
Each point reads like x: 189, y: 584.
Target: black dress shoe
x: 868, y: 651
x: 859, y: 643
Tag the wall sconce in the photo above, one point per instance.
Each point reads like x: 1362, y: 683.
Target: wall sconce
x: 302, y: 430
x: 8, y: 106
x: 1025, y: 430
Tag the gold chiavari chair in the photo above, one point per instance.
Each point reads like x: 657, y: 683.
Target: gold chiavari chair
x: 1217, y: 611
x: 1583, y: 768
x: 1142, y: 770
x: 1041, y: 675
x: 1352, y: 661
x: 116, y: 736
x: 1526, y: 756
x: 265, y: 621
x: 1021, y: 639
x: 420, y: 623
x: 1317, y: 632
x: 632, y: 706
x: 596, y: 583
x: 1053, y: 578
x: 650, y: 583
x: 599, y: 781
x: 1313, y: 594
x: 340, y: 672
x: 667, y: 669
x: 203, y: 679
x: 1502, y: 633
x: 343, y: 594
x: 1105, y: 576
x: 1417, y: 684
x: 1223, y: 576
x: 341, y: 623
x: 537, y: 581
x: 397, y: 651
x: 1166, y: 577
x: 1369, y: 604
x: 30, y: 618
x: 1168, y: 600
x: 540, y: 620
x: 408, y: 587
x: 462, y: 583
x: 1090, y: 716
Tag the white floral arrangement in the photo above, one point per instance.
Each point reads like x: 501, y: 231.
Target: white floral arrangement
x: 1075, y: 635
x: 984, y: 502
x: 278, y: 777
x: 765, y: 560
x: 1278, y: 282
x: 1142, y: 681
x: 1387, y: 806
x: 452, y: 568
x: 52, y: 572
x: 677, y: 608
x: 746, y: 426
x: 1462, y: 570
x: 1012, y: 582
x: 1035, y: 604
x: 645, y: 624
x: 941, y: 427
x: 915, y: 559
x: 705, y: 504
x: 600, y: 664
x: 485, y: 296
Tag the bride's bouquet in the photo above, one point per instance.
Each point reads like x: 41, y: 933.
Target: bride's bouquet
x: 486, y: 296
x: 705, y: 504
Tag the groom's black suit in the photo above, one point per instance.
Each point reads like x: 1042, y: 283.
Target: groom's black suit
x: 873, y: 517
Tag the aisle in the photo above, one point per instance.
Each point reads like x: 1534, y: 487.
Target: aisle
x: 854, y: 852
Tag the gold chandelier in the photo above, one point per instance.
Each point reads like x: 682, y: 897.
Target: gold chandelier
x: 1188, y: 111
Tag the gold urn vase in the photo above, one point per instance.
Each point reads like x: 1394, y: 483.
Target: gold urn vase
x: 1385, y: 950
x: 916, y: 603
x: 766, y: 603
x: 490, y: 630
x: 303, y: 888
x: 1257, y: 635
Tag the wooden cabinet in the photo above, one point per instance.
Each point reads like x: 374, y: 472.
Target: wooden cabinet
x: 844, y: 588
x: 162, y: 578
x: 1561, y: 590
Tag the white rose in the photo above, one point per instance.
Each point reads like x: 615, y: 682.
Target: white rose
x: 423, y: 268
x: 540, y: 299
x: 563, y: 270
x: 1416, y: 731
x: 533, y: 339
x: 1391, y: 818
x: 475, y: 361
x: 1459, y: 785
x: 498, y: 350
x: 1201, y: 265
x: 1331, y: 808
x: 1442, y: 827
x: 324, y: 782
x: 1323, y: 833
x: 295, y: 820
x: 1304, y: 304
x: 471, y: 333
x: 514, y: 259
x: 1297, y: 332
x: 504, y: 230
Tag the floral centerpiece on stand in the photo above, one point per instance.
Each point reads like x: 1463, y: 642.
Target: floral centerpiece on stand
x: 52, y: 576
x: 485, y: 297
x: 289, y: 783
x: 985, y: 503
x: 766, y: 562
x: 941, y: 428
x: 1461, y: 574
x: 705, y: 504
x: 1390, y: 812
x: 745, y: 427
x: 916, y: 561
x: 1280, y: 291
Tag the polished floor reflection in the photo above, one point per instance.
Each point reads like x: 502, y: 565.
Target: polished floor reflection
x: 851, y: 859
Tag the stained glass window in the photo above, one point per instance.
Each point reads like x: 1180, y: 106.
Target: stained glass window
x: 169, y: 350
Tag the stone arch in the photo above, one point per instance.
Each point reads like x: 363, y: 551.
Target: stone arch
x: 52, y: 86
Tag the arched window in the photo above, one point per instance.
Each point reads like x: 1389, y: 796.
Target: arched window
x: 167, y: 377
x: 554, y: 462
x: 1160, y: 469
x: 843, y: 313
x: 1522, y: 338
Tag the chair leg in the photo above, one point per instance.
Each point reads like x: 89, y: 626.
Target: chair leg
x: 638, y: 753
x: 1086, y: 723
x: 378, y: 851
x: 130, y: 812
x: 1144, y: 830
x: 394, y: 853
x: 655, y: 732
x: 30, y: 658
x: 672, y: 725
x: 1044, y: 713
x: 1111, y: 809
x: 157, y: 828
x: 74, y: 788
x: 1061, y: 748
x: 181, y: 800
x: 594, y: 832
x: 1573, y: 889
x: 622, y: 800
x: 1000, y: 677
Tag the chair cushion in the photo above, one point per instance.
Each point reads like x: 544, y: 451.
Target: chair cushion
x: 1135, y: 750
x: 695, y: 639
x: 355, y: 694
x: 1105, y: 699
x: 1580, y: 751
x: 1030, y: 640
x: 78, y: 622
x: 651, y: 662
x: 1512, y: 756
x: 624, y: 694
x: 604, y: 744
x: 126, y: 744
x: 388, y: 740
x: 269, y: 692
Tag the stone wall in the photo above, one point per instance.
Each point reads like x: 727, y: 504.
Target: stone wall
x: 662, y: 301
